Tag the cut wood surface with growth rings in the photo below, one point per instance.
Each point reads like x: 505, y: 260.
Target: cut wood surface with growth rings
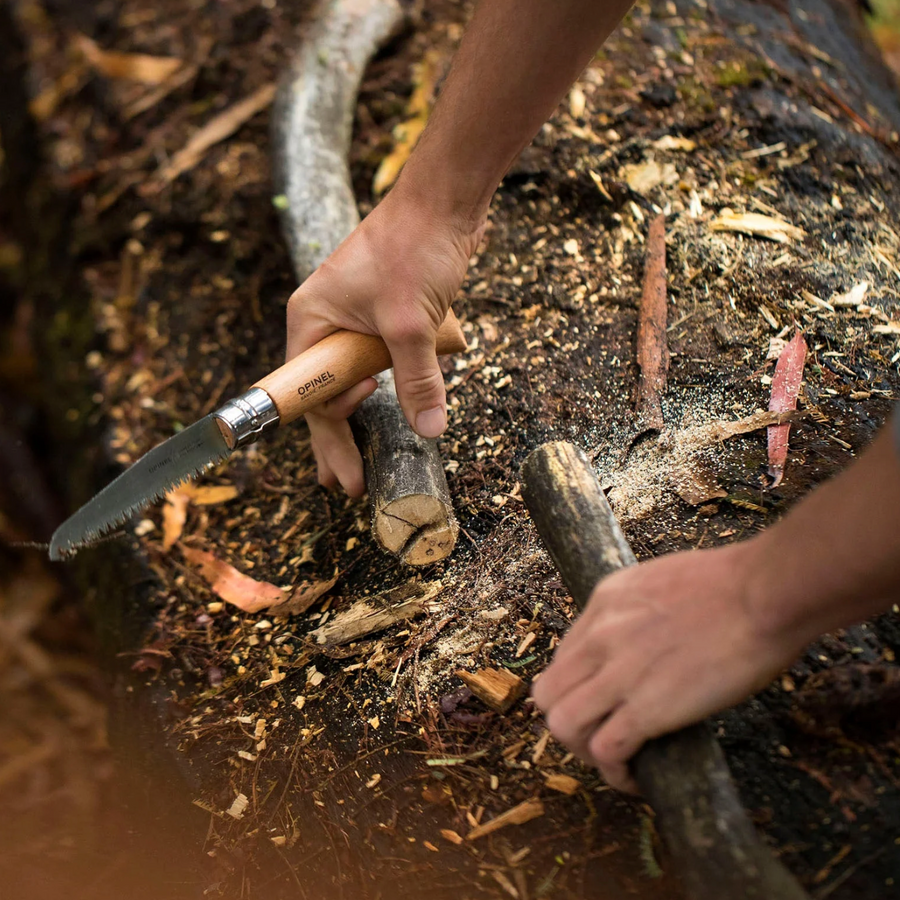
x: 409, y: 502
x: 711, y: 841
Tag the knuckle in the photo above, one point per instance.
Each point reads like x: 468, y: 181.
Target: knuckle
x: 421, y: 385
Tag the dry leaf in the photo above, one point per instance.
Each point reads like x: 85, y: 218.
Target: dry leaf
x: 215, y: 130
x: 303, y: 597
x: 643, y: 177
x: 518, y: 815
x: 853, y: 297
x: 757, y: 225
x: 131, y: 66
x: 233, y: 586
x: 697, y: 484
x: 785, y: 390
x: 174, y: 514
x: 673, y: 142
x: 408, y: 132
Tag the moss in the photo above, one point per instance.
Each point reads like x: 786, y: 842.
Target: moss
x: 624, y: 81
x: 695, y: 95
x: 742, y: 74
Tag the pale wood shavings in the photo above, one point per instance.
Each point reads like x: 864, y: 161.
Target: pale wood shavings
x: 757, y: 225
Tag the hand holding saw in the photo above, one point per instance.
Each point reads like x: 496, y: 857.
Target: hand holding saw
x: 325, y: 370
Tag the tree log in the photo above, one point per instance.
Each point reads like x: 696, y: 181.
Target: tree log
x: 409, y: 501
x: 712, y: 843
x: 412, y: 516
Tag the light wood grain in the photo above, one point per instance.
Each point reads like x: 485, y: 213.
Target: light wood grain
x: 336, y: 363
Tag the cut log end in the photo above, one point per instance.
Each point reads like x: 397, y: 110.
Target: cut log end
x: 412, y: 516
x: 419, y: 528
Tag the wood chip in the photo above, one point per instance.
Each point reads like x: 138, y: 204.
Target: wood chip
x: 565, y: 784
x: 540, y: 747
x: 527, y: 641
x: 675, y: 142
x: 497, y: 688
x: 853, y: 297
x: 377, y: 613
x: 644, y: 177
x: 214, y: 131
x: 238, y: 807
x: 451, y: 836
x: 757, y: 225
x: 518, y: 815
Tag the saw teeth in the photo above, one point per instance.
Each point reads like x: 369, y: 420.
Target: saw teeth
x: 201, y: 439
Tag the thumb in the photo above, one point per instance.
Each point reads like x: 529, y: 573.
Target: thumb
x: 420, y: 383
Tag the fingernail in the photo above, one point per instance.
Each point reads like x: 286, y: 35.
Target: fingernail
x: 431, y: 423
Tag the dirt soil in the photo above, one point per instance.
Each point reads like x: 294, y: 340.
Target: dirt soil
x: 358, y: 771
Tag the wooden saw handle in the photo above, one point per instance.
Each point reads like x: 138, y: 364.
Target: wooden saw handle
x: 338, y: 362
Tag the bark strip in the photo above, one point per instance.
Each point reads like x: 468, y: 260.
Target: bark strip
x: 409, y: 501
x: 713, y: 846
x: 652, y: 345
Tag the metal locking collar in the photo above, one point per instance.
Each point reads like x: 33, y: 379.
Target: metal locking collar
x: 246, y: 418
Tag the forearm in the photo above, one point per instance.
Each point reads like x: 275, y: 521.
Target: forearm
x: 835, y: 558
x: 516, y: 62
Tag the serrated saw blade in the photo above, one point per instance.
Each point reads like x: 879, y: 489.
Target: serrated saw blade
x: 180, y: 458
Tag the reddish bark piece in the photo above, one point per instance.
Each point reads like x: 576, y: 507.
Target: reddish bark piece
x: 233, y: 586
x: 174, y: 516
x: 785, y: 389
x: 652, y: 344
